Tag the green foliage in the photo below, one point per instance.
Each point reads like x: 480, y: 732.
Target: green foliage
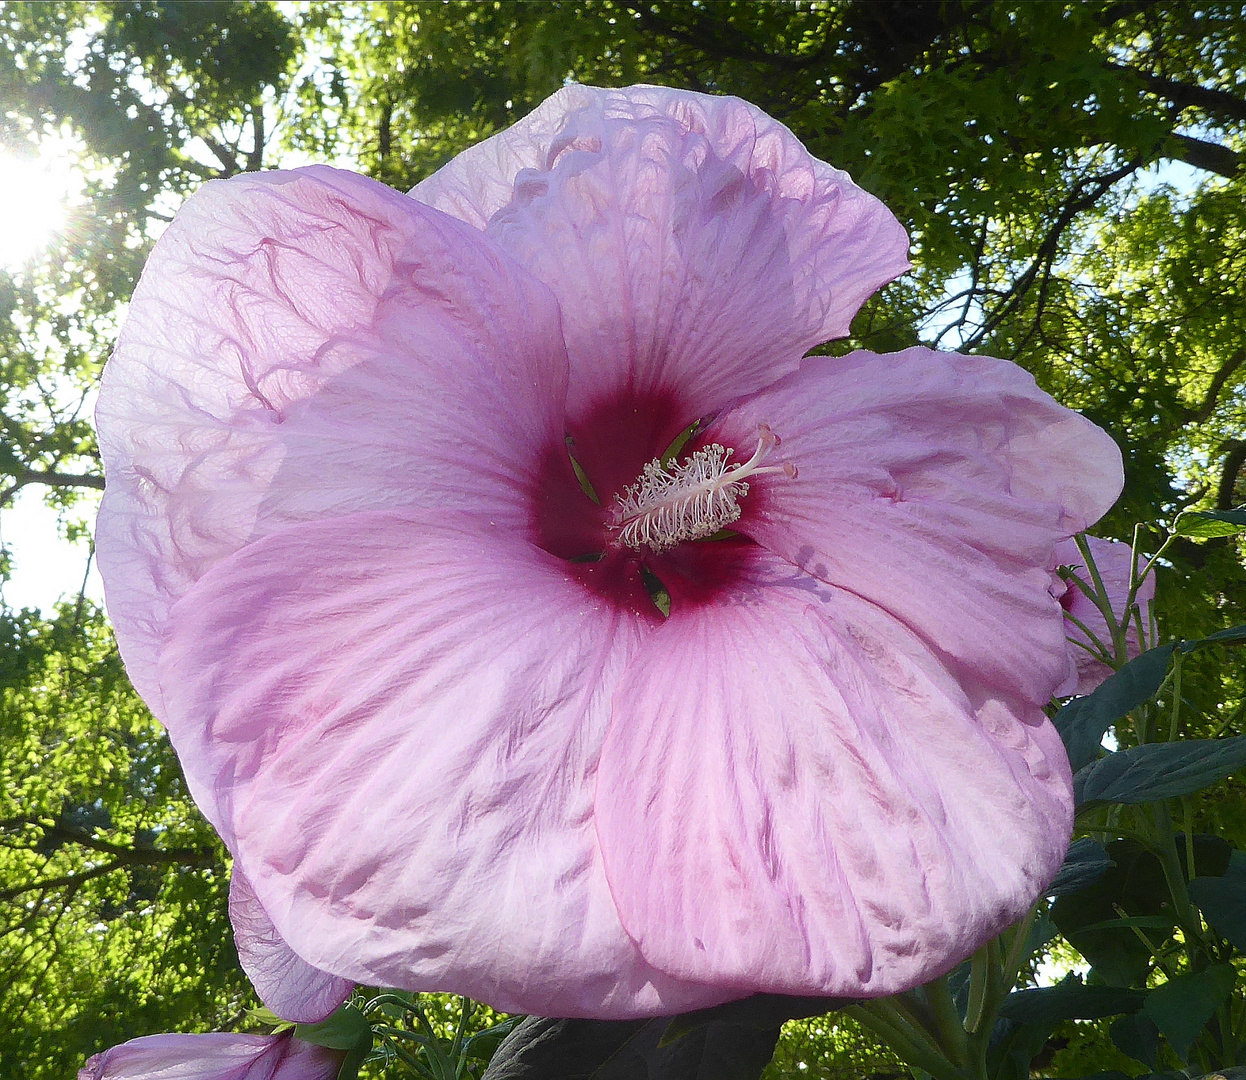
x: 1028, y: 147
x: 112, y: 888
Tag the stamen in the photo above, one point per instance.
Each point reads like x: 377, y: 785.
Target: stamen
x: 693, y: 499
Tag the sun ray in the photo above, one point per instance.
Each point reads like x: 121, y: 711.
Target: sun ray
x: 33, y: 194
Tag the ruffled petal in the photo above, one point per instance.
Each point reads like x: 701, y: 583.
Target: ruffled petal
x: 1112, y: 561
x: 304, y: 343
x: 285, y: 982
x: 395, y: 725
x: 935, y: 486
x: 695, y: 246
x: 797, y: 796
x: 219, y: 1056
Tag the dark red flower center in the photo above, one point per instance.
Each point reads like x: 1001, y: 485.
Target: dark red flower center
x: 636, y: 501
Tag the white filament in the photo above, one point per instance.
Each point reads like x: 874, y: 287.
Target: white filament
x: 690, y: 500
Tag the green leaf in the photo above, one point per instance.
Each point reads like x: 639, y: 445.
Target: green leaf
x: 1138, y: 1037
x: 1158, y: 771
x: 1140, y: 922
x: 761, y: 1011
x: 1182, y: 1006
x: 1208, y: 523
x: 484, y: 1044
x: 1233, y: 635
x: 1013, y: 1047
x: 1086, y: 862
x: 1136, y: 887
x: 1222, y: 900
x: 1109, y: 1074
x: 354, y: 1059
x: 269, y: 1019
x: 346, y: 1029
x: 1070, y: 1000
x: 542, y: 1049
x: 1083, y: 721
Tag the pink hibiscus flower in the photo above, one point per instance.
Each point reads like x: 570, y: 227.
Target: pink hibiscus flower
x: 416, y: 675
x: 1112, y: 561
x: 215, y: 1057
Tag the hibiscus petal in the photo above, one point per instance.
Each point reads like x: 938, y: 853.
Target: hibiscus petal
x: 304, y: 343
x: 218, y: 1056
x: 285, y: 982
x: 1112, y: 560
x: 936, y: 486
x: 395, y: 725
x: 795, y: 795
x: 695, y: 246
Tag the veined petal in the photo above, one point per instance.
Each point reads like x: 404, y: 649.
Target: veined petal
x: 218, y: 1056
x: 935, y: 486
x: 797, y: 796
x: 285, y: 982
x: 304, y: 343
x: 695, y: 246
x: 1112, y: 559
x: 395, y: 725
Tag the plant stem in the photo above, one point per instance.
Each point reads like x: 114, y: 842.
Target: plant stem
x: 949, y: 1028
x: 911, y: 1045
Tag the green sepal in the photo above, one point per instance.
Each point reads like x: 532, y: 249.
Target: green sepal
x: 346, y: 1029
x: 270, y: 1019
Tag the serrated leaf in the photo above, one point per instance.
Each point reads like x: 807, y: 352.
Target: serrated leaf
x: 1182, y: 1006
x: 1069, y: 1000
x: 1086, y: 862
x: 484, y: 1044
x: 1158, y: 771
x: 1083, y: 722
x: 1110, y: 1074
x: 1222, y: 900
x: 1203, y: 524
x: 1139, y: 922
x: 1013, y: 1047
x: 1134, y: 887
x: 542, y: 1049
x: 1138, y: 1037
x: 1233, y: 635
x: 761, y: 1011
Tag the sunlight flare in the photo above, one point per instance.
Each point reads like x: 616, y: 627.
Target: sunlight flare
x: 33, y: 194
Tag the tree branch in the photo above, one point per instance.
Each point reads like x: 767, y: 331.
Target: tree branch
x: 51, y: 478
x: 1201, y: 412
x: 1207, y: 155
x: 60, y: 479
x: 1230, y: 471
x: 130, y: 856
x: 255, y: 159
x: 122, y: 855
x: 71, y: 881
x: 1089, y: 192
x: 1189, y: 95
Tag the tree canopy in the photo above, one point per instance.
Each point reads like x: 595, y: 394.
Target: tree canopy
x: 1072, y: 178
